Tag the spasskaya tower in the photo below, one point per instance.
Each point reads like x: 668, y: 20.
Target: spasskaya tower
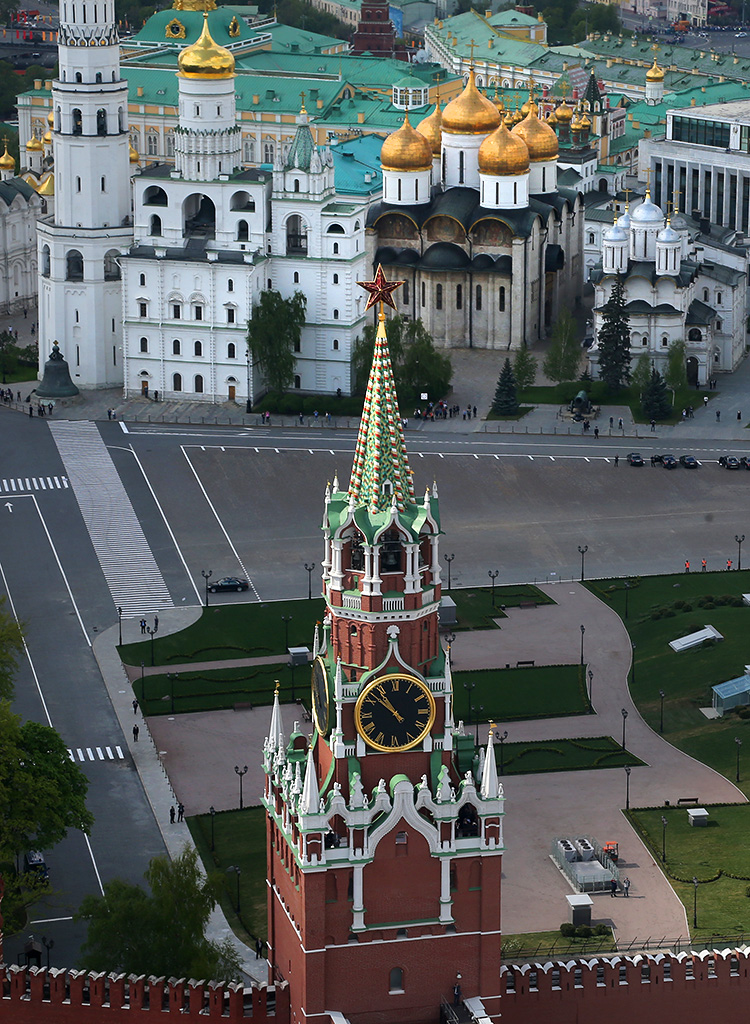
x: 385, y: 834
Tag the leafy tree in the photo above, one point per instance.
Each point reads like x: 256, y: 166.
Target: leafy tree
x: 655, y: 400
x: 561, y: 361
x: 505, y: 402
x: 163, y: 933
x: 417, y: 365
x: 676, y: 375
x: 11, y: 645
x: 614, y: 339
x: 42, y: 792
x: 641, y: 375
x: 524, y: 369
x: 273, y: 333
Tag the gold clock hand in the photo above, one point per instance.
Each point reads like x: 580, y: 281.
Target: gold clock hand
x: 386, y: 703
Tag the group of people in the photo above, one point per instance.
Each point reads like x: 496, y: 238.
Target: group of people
x: 443, y: 411
x: 704, y: 565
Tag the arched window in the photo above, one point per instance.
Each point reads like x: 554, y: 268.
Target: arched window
x: 242, y: 231
x: 295, y: 279
x: 694, y: 334
x: 249, y: 152
x: 718, y: 298
x: 101, y: 122
x: 144, y: 344
x: 479, y: 296
x: 79, y: 77
x: 438, y: 296
x: 45, y: 261
x: 705, y: 294
x: 335, y: 278
x: 296, y: 236
x: 268, y: 153
x: 155, y: 196
x: 396, y: 980
x: 73, y: 266
x: 405, y: 293
x: 176, y: 347
x: 296, y: 184
x: 230, y: 285
x: 198, y: 389
x: 297, y: 381
x: 335, y: 229
x: 98, y: 77
x: 155, y: 225
x: 177, y: 382
x: 335, y: 248
x: 501, y: 299
x: 459, y: 296
x: 424, y: 295
x: 111, y: 266
x: 198, y: 348
x: 335, y: 314
x: 231, y: 350
x: 665, y: 342
x: 391, y: 548
x: 77, y: 122
x: 591, y: 238
x: 242, y: 201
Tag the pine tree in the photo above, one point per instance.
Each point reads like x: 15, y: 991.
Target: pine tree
x: 505, y: 402
x: 614, y: 340
x: 524, y: 369
x: 655, y: 400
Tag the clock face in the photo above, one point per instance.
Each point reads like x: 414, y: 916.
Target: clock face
x: 320, y: 695
x: 394, y: 712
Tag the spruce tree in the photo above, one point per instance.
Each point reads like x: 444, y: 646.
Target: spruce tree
x: 614, y: 340
x: 655, y: 400
x: 505, y: 402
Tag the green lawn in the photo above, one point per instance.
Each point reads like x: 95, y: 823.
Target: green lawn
x: 552, y: 945
x: 522, y: 411
x: 718, y: 856
x: 510, y: 694
x: 474, y: 608
x: 562, y: 755
x: 563, y: 394
x: 240, y: 840
x: 663, y: 608
x: 220, y: 689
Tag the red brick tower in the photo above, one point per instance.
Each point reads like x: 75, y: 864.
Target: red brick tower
x: 375, y: 33
x: 384, y: 846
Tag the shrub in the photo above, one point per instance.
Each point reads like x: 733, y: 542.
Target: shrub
x: 583, y: 931
x: 567, y: 930
x: 601, y: 929
x: 747, y: 891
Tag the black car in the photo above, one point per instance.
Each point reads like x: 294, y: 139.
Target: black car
x: 634, y: 459
x: 729, y: 462
x: 35, y: 864
x: 668, y: 461
x: 745, y: 461
x: 689, y: 461
x: 228, y: 583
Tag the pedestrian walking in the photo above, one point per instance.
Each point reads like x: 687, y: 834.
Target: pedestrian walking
x: 135, y: 705
x: 136, y: 730
x: 143, y: 625
x: 156, y: 623
x: 613, y: 888
x: 109, y: 414
x: 718, y: 415
x: 31, y: 411
x: 653, y: 426
x: 456, y: 994
x: 626, y: 886
x: 687, y: 565
x: 258, y: 948
x: 617, y: 460
x: 50, y: 407
x: 171, y: 815
x: 703, y: 564
x: 611, y: 422
x: 705, y: 400
x: 729, y: 565
x: 596, y: 433
x: 619, y: 424
x: 180, y: 812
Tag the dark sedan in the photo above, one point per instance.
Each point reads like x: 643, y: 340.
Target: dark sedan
x: 634, y: 459
x: 228, y: 583
x: 689, y: 461
x: 729, y: 462
x: 668, y: 461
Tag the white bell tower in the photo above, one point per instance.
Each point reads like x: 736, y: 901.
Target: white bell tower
x: 80, y: 303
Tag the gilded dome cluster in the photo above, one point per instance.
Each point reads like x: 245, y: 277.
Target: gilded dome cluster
x: 470, y: 113
x: 431, y: 128
x: 406, y: 150
x: 205, y: 58
x: 540, y: 139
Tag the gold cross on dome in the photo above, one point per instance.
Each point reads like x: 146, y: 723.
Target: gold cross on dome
x: 472, y: 44
x: 380, y: 290
x: 677, y: 193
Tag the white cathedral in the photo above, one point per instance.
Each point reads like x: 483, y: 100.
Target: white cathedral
x: 669, y: 294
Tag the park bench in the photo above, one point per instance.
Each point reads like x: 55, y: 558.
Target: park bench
x: 524, y: 664
x: 527, y: 604
x: 687, y: 800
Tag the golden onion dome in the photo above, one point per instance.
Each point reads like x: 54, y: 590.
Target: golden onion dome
x: 564, y: 114
x: 431, y: 128
x: 528, y: 104
x: 406, y: 150
x: 540, y: 139
x: 51, y: 118
x: 517, y: 116
x: 470, y: 113
x: 7, y: 163
x: 34, y: 145
x: 47, y: 188
x: 47, y: 138
x: 204, y: 58
x: 508, y: 119
x: 134, y: 158
x: 654, y: 73
x: 585, y: 123
x: 497, y: 100
x: 503, y: 153
x: 552, y: 119
x: 575, y: 124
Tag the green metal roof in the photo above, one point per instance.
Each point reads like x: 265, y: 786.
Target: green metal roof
x: 155, y: 29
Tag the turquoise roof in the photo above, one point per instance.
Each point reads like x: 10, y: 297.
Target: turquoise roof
x: 355, y: 159
x: 155, y: 29
x: 301, y: 149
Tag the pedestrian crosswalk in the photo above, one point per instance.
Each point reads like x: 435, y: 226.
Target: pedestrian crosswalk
x: 133, y: 577
x: 86, y: 754
x: 26, y: 484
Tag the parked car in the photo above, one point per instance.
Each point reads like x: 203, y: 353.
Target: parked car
x: 689, y: 461
x: 745, y: 461
x: 729, y: 462
x: 35, y: 864
x: 634, y: 459
x: 668, y: 461
x: 228, y: 583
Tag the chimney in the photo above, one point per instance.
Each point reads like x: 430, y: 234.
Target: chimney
x: 139, y: 91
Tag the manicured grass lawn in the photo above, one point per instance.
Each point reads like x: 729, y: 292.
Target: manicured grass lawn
x: 530, y: 945
x: 220, y: 689
x: 240, y: 841
x: 563, y: 394
x: 687, y: 678
x: 510, y: 694
x: 563, y: 755
x: 522, y: 411
x: 712, y: 855
x: 474, y: 604
x: 232, y: 631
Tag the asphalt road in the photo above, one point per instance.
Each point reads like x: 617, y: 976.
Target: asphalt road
x: 244, y: 501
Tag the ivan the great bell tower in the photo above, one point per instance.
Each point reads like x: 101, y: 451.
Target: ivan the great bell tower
x: 384, y: 837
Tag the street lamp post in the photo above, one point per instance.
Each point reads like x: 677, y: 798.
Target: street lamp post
x: 449, y: 639
x: 48, y: 945
x: 119, y: 622
x: 502, y: 737
x: 739, y: 549
x: 449, y: 559
x: 695, y: 902
x: 477, y: 715
x: 207, y: 576
x: 309, y: 570
x: 583, y: 630
x: 628, y: 770
x: 582, y: 551
x: 627, y: 594
x: 493, y: 576
x: 152, y: 633
x: 624, y: 714
x: 632, y: 669
x: 286, y: 619
x: 738, y: 741
x: 591, y: 686
x: 212, y: 812
x: 469, y: 686
x: 664, y: 824
x: 662, y: 695
x: 241, y: 772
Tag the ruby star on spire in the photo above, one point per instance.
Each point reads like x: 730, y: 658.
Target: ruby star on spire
x: 380, y: 290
